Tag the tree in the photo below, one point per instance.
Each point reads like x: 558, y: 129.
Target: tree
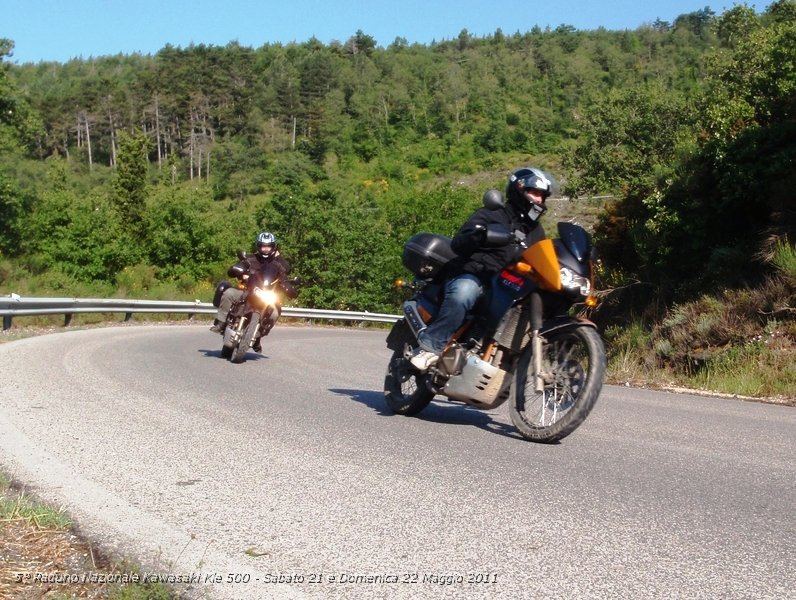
x: 19, y: 124
x: 130, y: 182
x: 14, y: 205
x: 696, y: 213
x: 736, y: 24
x: 629, y: 140
x: 782, y: 11
x: 181, y: 237
x: 77, y: 235
x: 15, y: 128
x: 361, y: 43
x: 697, y: 22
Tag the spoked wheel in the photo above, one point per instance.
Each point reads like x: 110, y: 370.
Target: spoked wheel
x: 573, y: 364
x: 404, y: 387
x: 239, y: 354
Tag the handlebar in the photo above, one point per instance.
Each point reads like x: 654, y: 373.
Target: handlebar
x: 497, y: 235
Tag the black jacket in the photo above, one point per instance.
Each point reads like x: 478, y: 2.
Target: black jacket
x: 254, y: 262
x: 483, y: 261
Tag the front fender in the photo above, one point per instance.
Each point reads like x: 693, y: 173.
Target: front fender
x: 562, y: 323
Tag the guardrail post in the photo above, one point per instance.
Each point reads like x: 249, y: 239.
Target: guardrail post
x: 67, y: 319
x: 6, y: 322
x: 127, y: 316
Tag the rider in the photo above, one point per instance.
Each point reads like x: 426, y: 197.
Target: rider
x: 266, y: 252
x: 477, y: 261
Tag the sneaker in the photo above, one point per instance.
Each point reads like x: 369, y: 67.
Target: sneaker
x: 218, y: 327
x: 423, y: 359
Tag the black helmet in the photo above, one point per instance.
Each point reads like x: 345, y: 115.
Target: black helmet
x: 265, y: 238
x: 524, y: 179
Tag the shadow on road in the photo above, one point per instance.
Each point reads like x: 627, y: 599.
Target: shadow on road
x: 250, y: 355
x: 440, y: 411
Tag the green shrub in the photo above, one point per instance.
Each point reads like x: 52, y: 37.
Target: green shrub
x: 136, y: 280
x: 784, y: 258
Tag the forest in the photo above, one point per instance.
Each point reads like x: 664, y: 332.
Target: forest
x: 140, y: 175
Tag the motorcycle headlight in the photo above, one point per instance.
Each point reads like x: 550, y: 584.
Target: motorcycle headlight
x: 574, y: 282
x: 267, y: 297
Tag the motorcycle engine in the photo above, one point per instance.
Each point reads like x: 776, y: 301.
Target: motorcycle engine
x: 452, y: 361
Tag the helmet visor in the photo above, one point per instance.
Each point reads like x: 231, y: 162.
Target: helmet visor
x: 535, y: 182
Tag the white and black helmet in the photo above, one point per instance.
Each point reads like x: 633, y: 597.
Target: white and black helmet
x: 527, y: 178
x: 265, y: 238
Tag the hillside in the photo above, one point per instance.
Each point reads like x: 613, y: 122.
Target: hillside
x: 140, y: 175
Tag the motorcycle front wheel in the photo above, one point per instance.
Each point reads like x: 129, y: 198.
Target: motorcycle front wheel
x: 239, y: 354
x: 573, y: 362
x: 404, y: 387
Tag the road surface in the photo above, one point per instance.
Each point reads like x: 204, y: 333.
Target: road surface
x: 286, y: 477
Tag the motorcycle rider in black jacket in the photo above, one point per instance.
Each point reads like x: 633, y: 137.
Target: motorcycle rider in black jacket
x: 478, y: 260
x: 266, y: 252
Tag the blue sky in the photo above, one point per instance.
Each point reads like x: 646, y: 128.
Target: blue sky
x: 58, y: 30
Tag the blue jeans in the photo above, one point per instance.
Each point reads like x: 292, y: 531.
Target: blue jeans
x: 461, y: 293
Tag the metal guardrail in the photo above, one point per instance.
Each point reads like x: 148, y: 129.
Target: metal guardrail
x: 17, y: 306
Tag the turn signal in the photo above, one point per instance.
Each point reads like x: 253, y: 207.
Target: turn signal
x: 399, y: 283
x: 591, y: 301
x: 522, y: 267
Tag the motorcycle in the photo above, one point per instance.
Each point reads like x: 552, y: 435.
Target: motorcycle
x: 252, y: 316
x: 520, y: 342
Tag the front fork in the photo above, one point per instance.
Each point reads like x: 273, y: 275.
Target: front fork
x: 536, y: 342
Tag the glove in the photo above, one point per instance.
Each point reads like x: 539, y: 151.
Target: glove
x: 496, y: 235
x: 236, y: 271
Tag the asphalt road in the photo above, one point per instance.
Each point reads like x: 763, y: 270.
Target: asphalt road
x: 287, y: 473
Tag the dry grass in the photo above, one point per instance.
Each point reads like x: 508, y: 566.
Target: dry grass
x: 30, y: 553
x: 37, y: 547
x: 737, y: 342
x: 42, y: 557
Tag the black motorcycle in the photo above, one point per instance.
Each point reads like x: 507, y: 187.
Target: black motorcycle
x: 252, y: 316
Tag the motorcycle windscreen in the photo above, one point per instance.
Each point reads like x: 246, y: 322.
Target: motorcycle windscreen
x: 544, y: 262
x: 576, y: 241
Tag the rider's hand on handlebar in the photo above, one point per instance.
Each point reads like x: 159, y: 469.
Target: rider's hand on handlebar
x: 496, y: 235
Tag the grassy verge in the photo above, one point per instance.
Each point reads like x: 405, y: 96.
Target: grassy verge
x: 702, y: 351
x: 41, y: 556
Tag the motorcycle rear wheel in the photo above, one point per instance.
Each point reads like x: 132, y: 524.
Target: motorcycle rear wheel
x: 404, y: 387
x: 576, y: 360
x: 239, y: 354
